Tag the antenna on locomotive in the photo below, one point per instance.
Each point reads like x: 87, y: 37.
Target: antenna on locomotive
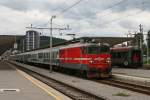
x: 99, y: 43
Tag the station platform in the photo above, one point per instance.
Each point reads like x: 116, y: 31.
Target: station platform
x: 17, y: 85
x: 100, y: 90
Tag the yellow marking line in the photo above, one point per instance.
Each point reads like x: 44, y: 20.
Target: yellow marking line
x: 35, y: 83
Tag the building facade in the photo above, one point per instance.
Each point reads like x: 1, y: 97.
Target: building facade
x: 32, y: 39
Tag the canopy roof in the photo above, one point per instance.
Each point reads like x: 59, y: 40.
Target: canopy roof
x: 7, y: 41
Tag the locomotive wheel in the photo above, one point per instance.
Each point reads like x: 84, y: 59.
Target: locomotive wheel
x: 126, y: 63
x: 85, y: 74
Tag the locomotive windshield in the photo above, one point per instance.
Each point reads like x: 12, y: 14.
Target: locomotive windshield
x: 93, y: 50
x: 97, y: 49
x: 104, y: 49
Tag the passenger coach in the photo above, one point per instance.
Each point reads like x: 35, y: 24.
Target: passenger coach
x: 127, y: 56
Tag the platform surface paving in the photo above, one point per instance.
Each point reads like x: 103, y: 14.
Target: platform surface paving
x: 10, y: 80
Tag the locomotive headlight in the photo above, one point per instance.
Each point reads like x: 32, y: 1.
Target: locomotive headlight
x: 108, y: 60
x: 91, y: 61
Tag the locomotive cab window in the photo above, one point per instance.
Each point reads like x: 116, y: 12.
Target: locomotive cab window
x: 104, y: 49
x: 93, y: 50
x: 97, y: 49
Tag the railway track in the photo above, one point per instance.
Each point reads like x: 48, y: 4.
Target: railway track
x: 77, y: 94
x: 70, y: 91
x: 127, y: 85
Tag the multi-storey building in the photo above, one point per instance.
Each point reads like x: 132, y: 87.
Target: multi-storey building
x: 32, y: 40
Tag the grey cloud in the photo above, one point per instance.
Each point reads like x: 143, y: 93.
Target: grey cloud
x: 128, y: 24
x: 85, y: 13
x: 132, y: 4
x: 25, y: 5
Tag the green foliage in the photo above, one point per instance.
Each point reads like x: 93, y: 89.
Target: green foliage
x: 44, y: 41
x: 145, y: 61
x: 123, y: 94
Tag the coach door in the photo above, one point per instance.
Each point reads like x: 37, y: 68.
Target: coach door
x: 136, y: 56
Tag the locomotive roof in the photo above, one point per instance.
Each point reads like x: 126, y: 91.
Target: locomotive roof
x: 78, y: 45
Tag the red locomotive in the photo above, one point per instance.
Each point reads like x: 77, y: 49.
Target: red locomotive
x: 91, y: 59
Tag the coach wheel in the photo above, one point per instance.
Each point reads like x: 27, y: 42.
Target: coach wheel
x: 126, y: 63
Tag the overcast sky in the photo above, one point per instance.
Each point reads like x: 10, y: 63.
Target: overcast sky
x: 88, y: 18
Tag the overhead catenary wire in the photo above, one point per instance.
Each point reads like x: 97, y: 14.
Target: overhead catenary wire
x: 63, y: 11
x: 128, y: 15
x: 133, y: 14
x: 76, y: 3
x: 109, y: 7
x: 74, y: 22
x: 68, y: 8
x: 108, y: 22
x: 114, y: 5
x: 120, y: 18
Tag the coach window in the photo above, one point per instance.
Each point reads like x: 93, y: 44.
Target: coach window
x: 48, y: 55
x: 57, y: 55
x: 124, y: 54
x: 53, y: 55
x: 113, y: 55
x: 44, y: 55
x: 32, y: 56
x: 40, y: 55
x: 104, y: 49
x: 119, y: 55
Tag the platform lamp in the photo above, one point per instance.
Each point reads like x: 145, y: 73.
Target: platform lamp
x: 51, y: 42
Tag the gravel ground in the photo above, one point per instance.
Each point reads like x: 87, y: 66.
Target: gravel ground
x: 132, y: 72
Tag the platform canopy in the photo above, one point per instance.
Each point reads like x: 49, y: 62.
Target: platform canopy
x: 7, y: 42
x: 110, y: 40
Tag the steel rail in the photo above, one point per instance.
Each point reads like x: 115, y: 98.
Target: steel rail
x: 127, y: 85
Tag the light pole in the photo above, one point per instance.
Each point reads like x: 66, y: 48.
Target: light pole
x: 147, y: 50
x: 51, y: 43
